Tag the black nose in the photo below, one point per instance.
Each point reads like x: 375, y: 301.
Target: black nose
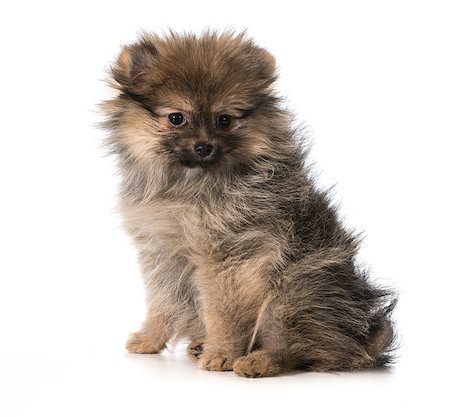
x: 203, y: 149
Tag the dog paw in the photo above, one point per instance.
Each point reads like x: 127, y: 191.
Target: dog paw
x: 143, y: 343
x: 217, y: 361
x: 195, y: 349
x: 256, y: 365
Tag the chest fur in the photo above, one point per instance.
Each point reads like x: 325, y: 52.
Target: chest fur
x: 164, y: 225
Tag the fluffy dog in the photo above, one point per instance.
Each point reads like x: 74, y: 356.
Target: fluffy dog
x: 241, y: 254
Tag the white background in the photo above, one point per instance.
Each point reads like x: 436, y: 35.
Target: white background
x: 370, y: 79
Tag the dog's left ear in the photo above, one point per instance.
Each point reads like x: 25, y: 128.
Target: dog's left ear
x: 134, y: 64
x: 264, y: 66
x: 270, y: 63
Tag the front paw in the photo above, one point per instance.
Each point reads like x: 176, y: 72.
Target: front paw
x: 195, y: 349
x: 140, y: 342
x: 217, y: 360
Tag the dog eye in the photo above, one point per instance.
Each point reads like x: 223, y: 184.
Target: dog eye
x: 176, y: 119
x: 223, y: 120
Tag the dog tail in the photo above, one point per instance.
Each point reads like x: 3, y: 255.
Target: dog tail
x: 382, y: 342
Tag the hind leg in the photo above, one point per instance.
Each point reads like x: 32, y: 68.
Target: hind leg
x: 257, y: 364
x: 322, y: 320
x: 272, y: 354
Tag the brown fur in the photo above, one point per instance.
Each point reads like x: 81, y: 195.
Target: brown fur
x: 240, y: 253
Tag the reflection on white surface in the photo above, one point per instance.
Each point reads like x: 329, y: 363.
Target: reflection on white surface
x: 120, y: 383
x: 89, y: 373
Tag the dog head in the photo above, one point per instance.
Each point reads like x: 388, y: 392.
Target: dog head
x: 193, y: 101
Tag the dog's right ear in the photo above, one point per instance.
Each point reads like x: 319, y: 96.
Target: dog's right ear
x: 134, y: 63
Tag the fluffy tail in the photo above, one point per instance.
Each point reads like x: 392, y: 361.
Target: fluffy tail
x: 383, y: 340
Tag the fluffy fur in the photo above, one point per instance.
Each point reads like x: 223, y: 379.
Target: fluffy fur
x: 240, y: 252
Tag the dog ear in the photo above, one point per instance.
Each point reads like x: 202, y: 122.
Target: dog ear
x: 270, y: 64
x: 134, y: 63
x: 267, y: 65
x: 261, y: 64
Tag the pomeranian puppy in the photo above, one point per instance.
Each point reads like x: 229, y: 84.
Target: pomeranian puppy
x: 241, y: 254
